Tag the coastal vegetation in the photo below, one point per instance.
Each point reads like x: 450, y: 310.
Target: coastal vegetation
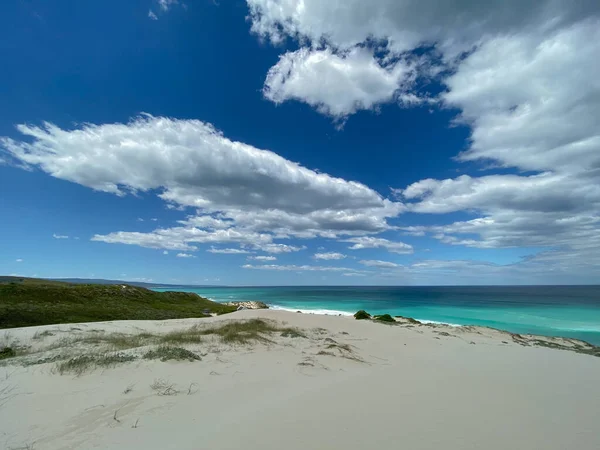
x: 90, y: 351
x: 362, y: 315
x: 384, y: 318
x: 28, y: 302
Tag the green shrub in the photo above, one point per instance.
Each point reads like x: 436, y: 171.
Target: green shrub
x: 361, y: 315
x: 84, y: 363
x: 7, y: 352
x: 384, y: 318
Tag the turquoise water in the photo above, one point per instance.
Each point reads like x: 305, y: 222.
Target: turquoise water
x: 568, y: 311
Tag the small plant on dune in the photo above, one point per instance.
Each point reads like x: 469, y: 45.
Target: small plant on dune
x: 7, y: 352
x: 163, y: 387
x: 42, y: 334
x: 292, y: 333
x: 341, y: 347
x: 409, y: 320
x: 384, y: 318
x: 246, y: 332
x: 118, y: 341
x: 362, y: 315
x: 189, y: 336
x: 168, y: 353
x: 84, y: 363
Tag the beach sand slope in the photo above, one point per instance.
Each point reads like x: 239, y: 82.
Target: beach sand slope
x: 344, y: 384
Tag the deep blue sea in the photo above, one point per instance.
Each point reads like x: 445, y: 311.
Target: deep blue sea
x: 568, y: 311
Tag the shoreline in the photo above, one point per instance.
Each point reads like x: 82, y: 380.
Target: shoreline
x: 335, y: 313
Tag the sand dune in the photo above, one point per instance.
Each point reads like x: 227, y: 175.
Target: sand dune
x: 344, y: 384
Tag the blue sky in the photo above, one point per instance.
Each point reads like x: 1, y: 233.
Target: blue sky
x: 262, y: 143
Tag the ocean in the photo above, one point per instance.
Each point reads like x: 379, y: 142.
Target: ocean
x: 567, y: 311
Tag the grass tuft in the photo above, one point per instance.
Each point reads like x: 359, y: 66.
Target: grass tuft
x: 163, y: 387
x: 190, y: 336
x: 7, y: 352
x: 85, y: 363
x: 168, y: 353
x: 42, y: 334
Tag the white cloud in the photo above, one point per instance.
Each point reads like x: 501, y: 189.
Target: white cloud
x: 377, y: 263
x: 538, y: 110
x: 207, y: 221
x: 185, y: 255
x: 152, y: 15
x: 165, y: 252
x: 337, y: 84
x: 228, y: 251
x: 302, y: 268
x: 232, y: 185
x: 406, y: 24
x: 154, y: 219
x: 530, y: 100
x: 354, y: 274
x: 139, y: 219
x: 165, y: 5
x: 336, y: 73
x: 523, y: 76
x: 329, y: 256
x: 263, y: 258
x: 183, y: 238
x: 19, y: 260
x: 372, y: 242
x: 279, y: 248
x: 60, y: 236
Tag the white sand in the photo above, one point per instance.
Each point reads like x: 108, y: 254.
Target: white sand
x: 415, y: 390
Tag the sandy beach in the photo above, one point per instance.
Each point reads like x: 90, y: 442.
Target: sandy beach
x: 337, y: 384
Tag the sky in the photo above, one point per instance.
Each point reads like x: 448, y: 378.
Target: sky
x: 301, y: 142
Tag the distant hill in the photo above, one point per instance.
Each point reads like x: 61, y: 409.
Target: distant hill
x: 99, y: 281
x: 33, y: 301
x: 102, y: 281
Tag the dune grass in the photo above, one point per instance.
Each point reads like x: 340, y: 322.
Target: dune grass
x: 29, y: 302
x: 86, y: 353
x: 169, y: 353
x: 84, y: 363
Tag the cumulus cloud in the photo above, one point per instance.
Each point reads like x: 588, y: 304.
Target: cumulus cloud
x: 228, y: 251
x: 278, y: 248
x: 337, y: 84
x: 183, y: 238
x: 373, y: 242
x: 240, y: 193
x: 165, y: 252
x: 263, y: 258
x: 378, y: 263
x: 537, y: 113
x: 152, y: 15
x: 185, y: 255
x: 19, y: 260
x: 302, y: 268
x: 329, y: 256
x: 407, y: 24
x: 336, y: 72
x: 523, y: 76
x: 60, y: 236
